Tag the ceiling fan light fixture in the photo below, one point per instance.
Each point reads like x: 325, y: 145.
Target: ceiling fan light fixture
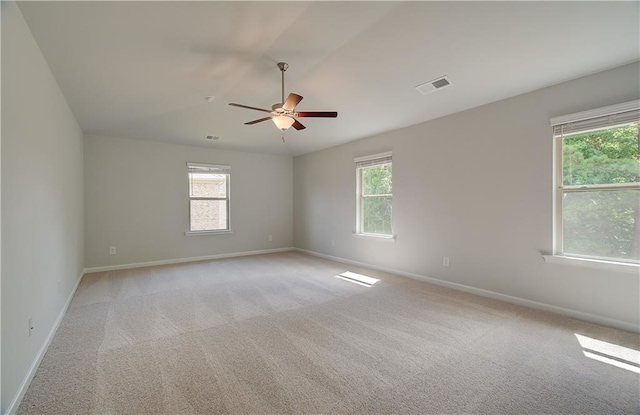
x: 283, y: 122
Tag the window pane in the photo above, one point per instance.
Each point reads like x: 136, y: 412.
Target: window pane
x: 208, y: 215
x: 602, y: 223
x: 207, y: 185
x: 376, y: 215
x: 376, y: 180
x: 604, y: 156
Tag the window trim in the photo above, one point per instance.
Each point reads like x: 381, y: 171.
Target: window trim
x: 594, y: 113
x: 214, y: 169
x: 558, y: 255
x: 200, y: 233
x: 362, y: 163
x: 625, y: 267
x: 378, y: 236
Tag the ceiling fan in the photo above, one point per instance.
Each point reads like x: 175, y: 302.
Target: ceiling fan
x: 282, y: 113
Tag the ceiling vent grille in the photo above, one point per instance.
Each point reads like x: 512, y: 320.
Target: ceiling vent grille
x: 434, y: 85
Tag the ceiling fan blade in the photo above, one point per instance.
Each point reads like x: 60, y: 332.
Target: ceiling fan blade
x: 327, y: 114
x: 257, y: 121
x: 291, y: 102
x: 248, y: 107
x: 298, y: 126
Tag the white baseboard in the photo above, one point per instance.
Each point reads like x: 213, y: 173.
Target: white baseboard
x: 182, y: 260
x: 15, y: 402
x: 606, y: 321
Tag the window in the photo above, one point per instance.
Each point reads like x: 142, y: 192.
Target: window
x: 597, y: 200
x: 374, y: 195
x: 208, y: 197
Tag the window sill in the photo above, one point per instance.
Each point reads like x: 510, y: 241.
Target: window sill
x: 199, y: 233
x: 388, y: 238
x: 593, y: 263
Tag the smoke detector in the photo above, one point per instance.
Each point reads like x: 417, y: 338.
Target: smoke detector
x: 434, y: 85
x: 212, y: 137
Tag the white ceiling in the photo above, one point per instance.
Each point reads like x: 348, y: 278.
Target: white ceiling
x: 142, y: 69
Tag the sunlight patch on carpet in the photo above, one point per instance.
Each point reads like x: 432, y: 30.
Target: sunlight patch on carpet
x: 613, y: 354
x: 359, y: 279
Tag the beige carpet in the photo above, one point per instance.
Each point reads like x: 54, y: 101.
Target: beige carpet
x: 279, y: 334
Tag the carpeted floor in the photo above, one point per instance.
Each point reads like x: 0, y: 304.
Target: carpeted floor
x: 279, y: 334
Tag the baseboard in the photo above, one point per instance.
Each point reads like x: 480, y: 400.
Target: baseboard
x: 606, y: 321
x: 182, y: 260
x: 15, y: 403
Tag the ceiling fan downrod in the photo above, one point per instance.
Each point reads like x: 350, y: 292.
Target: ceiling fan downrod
x: 283, y: 66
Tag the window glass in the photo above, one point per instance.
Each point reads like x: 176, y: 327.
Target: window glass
x: 208, y: 197
x: 376, y: 180
x: 604, y: 156
x: 208, y: 185
x: 377, y: 215
x: 602, y: 223
x: 598, y: 192
x: 208, y: 215
x: 375, y: 195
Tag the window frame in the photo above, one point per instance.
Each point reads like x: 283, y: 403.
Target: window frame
x: 217, y: 169
x: 373, y: 160
x: 559, y: 189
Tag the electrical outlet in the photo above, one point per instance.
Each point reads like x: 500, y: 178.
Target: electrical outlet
x: 270, y: 238
x: 112, y: 250
x: 30, y: 326
x: 445, y: 261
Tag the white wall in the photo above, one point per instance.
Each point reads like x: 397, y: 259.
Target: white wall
x: 474, y: 186
x: 136, y: 199
x: 42, y: 201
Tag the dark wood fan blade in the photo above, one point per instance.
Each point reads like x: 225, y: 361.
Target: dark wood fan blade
x: 298, y: 126
x: 257, y: 121
x: 248, y: 107
x: 291, y: 102
x: 328, y: 114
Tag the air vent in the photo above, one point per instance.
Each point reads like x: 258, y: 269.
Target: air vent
x: 434, y: 85
x: 212, y: 137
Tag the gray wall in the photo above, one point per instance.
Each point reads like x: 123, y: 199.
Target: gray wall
x: 136, y: 199
x: 42, y: 200
x: 474, y: 186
